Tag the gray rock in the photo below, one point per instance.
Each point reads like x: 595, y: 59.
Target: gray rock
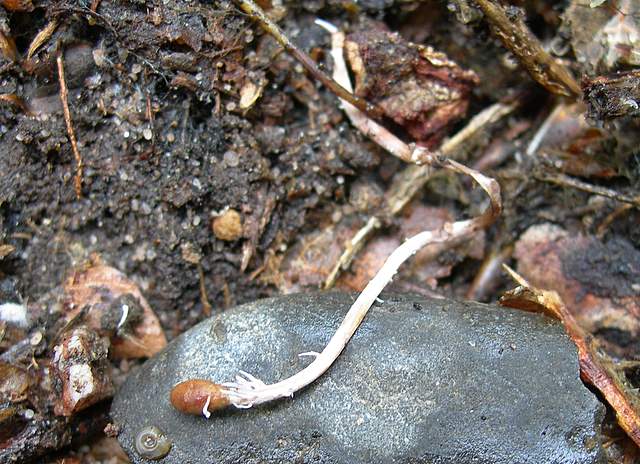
x: 422, y: 381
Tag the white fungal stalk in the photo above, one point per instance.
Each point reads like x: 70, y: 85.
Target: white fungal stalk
x: 247, y: 390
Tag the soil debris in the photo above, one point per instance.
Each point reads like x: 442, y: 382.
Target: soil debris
x: 185, y: 110
x: 81, y: 370
x: 610, y: 97
x: 418, y: 88
x: 597, y: 280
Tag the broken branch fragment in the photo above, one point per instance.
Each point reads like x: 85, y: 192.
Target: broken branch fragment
x: 517, y: 37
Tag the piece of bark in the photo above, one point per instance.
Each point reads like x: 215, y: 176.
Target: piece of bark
x: 422, y: 381
x: 81, y: 371
x: 419, y: 88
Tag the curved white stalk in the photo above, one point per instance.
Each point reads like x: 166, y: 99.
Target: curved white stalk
x: 248, y: 391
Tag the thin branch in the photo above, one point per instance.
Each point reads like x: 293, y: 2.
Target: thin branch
x: 64, y: 94
x: 566, y: 181
x: 516, y: 36
x: 256, y: 13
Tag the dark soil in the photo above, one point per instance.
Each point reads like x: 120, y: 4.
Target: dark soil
x: 155, y: 98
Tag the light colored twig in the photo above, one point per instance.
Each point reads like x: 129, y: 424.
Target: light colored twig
x: 64, y: 95
x: 352, y: 248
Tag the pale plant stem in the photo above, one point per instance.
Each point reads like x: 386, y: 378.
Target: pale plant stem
x: 248, y: 391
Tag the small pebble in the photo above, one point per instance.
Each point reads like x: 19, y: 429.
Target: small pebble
x: 231, y: 158
x: 228, y: 226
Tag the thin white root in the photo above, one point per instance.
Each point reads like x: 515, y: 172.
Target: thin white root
x: 123, y: 318
x: 248, y: 391
x: 313, y: 354
x: 205, y: 408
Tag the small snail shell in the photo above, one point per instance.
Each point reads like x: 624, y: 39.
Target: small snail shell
x: 152, y: 443
x: 190, y: 396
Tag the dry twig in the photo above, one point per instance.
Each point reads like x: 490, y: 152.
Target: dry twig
x: 517, y: 37
x: 256, y: 13
x: 567, y: 181
x: 64, y: 94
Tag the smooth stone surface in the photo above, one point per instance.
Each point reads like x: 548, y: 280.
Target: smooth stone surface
x: 422, y: 381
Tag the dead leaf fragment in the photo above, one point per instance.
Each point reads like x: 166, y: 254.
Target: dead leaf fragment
x: 114, y: 305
